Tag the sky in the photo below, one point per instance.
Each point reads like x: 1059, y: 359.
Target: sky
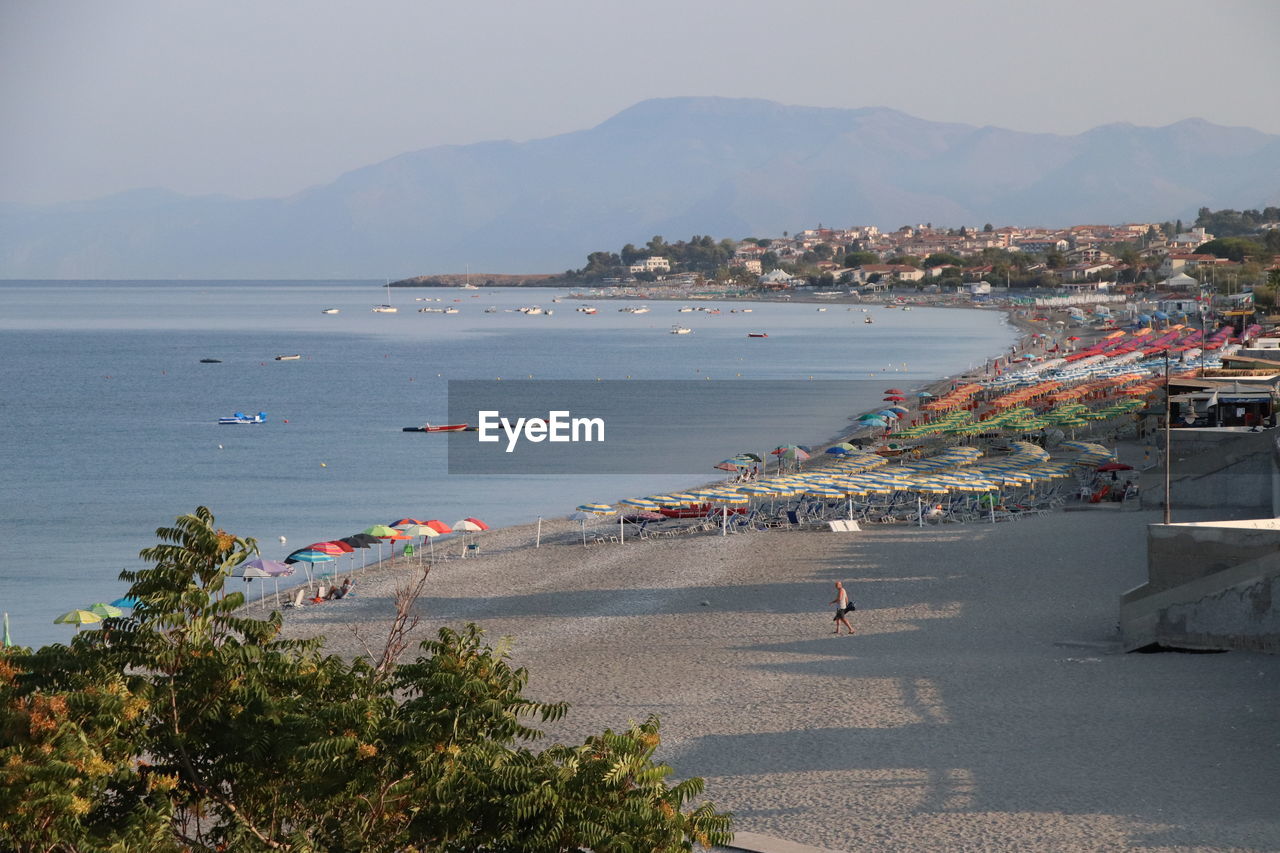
x: 263, y: 99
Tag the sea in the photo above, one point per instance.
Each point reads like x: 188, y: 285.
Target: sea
x: 109, y: 427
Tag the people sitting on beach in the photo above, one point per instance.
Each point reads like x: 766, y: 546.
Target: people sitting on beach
x: 339, y: 591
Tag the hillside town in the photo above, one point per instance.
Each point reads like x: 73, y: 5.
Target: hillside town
x: 865, y: 260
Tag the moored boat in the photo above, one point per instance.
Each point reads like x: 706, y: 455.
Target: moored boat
x: 242, y: 418
x: 293, y: 357
x: 211, y: 361
x: 680, y: 330
x: 329, y: 311
x: 757, y: 335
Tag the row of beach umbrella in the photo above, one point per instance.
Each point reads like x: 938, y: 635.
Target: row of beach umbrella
x: 262, y: 568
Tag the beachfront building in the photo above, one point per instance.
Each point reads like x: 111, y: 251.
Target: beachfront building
x: 886, y: 272
x: 653, y: 263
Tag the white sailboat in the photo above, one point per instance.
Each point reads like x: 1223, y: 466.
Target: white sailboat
x: 386, y: 307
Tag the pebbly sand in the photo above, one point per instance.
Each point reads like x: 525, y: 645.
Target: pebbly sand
x: 982, y: 705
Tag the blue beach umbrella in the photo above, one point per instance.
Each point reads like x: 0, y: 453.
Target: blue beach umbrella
x: 127, y: 601
x: 309, y: 558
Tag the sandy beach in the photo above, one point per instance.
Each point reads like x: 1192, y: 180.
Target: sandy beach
x: 982, y: 705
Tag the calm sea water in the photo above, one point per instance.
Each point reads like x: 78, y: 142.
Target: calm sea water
x: 109, y: 425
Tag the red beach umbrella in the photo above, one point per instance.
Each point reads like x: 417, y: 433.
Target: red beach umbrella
x: 438, y: 526
x: 1115, y: 466
x: 477, y: 522
x: 894, y: 391
x: 333, y: 549
x: 894, y: 398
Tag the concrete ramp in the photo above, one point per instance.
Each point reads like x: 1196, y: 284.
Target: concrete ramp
x: 1211, y: 586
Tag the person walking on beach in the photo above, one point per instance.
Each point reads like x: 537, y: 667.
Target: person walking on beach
x: 841, y: 601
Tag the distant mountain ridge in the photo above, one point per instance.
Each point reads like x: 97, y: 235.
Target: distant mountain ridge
x: 671, y: 166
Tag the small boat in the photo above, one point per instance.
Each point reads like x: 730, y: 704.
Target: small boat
x: 822, y: 309
x: 451, y: 310
x: 329, y: 311
x: 746, y: 310
x: 293, y: 357
x: 685, y: 310
x: 430, y: 310
x: 492, y: 309
x: 714, y: 311
x: 211, y: 361
x: 440, y: 428
x: 757, y: 335
x: 867, y: 319
x: 586, y: 309
x: 386, y: 307
x: 242, y: 418
x: 680, y: 330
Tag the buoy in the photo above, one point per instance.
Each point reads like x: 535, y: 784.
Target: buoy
x: 322, y: 465
x: 219, y: 446
x: 283, y: 540
x: 286, y: 420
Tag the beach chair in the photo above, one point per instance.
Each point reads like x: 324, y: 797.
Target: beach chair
x: 297, y: 599
x: 473, y: 550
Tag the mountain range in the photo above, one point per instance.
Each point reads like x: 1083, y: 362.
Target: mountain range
x: 672, y: 166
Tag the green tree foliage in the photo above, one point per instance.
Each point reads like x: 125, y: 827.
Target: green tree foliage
x: 1235, y: 223
x: 189, y: 726
x: 1237, y: 249
x: 858, y: 259
x: 940, y: 259
x: 700, y: 253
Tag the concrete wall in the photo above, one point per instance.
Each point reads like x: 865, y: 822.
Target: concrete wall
x: 1220, y: 469
x: 1211, y: 585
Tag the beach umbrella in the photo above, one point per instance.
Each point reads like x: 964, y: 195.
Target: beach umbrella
x: 466, y: 525
x: 274, y: 569
x: 752, y: 456
x: 333, y: 549
x: 77, y: 618
x: 477, y: 522
x: 402, y: 522
x: 309, y: 558
x: 586, y: 511
x: 667, y: 500
x: 426, y: 532
x: 104, y: 610
x: 382, y: 531
x: 248, y: 573
x: 127, y: 601
x: 894, y: 398
x: 894, y: 391
x: 439, y: 526
x: 6, y: 640
x: 1115, y: 466
x: 732, y: 464
x: 364, y: 539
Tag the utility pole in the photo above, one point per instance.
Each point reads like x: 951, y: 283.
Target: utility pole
x: 1168, y: 445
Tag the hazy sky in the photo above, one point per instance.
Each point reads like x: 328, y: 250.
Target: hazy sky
x: 266, y: 97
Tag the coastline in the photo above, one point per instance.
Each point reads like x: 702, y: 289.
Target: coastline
x: 982, y: 704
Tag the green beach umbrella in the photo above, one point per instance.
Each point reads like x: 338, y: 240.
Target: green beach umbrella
x: 77, y: 618
x: 105, y: 610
